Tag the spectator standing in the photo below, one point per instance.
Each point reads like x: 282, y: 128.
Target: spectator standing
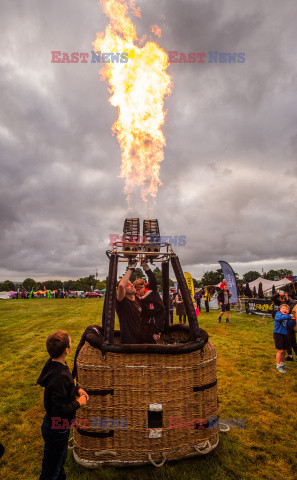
x: 206, y: 299
x: 278, y: 299
x: 196, y: 310
x: 180, y: 308
x: 291, y: 334
x: 223, y: 298
x: 197, y: 297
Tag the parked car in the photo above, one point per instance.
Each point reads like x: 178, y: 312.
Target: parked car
x: 76, y: 294
x: 93, y: 295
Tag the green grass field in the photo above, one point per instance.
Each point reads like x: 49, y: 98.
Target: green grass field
x: 249, y: 386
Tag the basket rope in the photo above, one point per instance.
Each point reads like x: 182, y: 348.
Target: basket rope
x: 155, y: 463
x: 203, y: 448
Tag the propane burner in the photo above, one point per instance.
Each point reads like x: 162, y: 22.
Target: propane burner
x: 148, y: 247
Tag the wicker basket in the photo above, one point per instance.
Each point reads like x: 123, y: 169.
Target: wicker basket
x: 146, y: 407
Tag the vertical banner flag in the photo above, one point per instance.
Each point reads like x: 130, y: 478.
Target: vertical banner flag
x: 176, y: 286
x: 230, y: 279
x: 190, y: 283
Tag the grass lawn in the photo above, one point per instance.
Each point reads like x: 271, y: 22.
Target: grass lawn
x: 249, y: 386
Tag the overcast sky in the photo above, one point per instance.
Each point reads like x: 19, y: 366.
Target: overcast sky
x: 229, y: 172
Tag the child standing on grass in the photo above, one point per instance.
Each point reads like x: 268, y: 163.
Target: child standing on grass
x: 61, y: 400
x: 282, y: 321
x: 196, y: 310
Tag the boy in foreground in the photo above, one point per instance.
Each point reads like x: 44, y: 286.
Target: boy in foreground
x: 282, y: 321
x: 61, y: 400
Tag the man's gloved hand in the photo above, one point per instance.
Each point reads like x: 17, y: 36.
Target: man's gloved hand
x: 144, y: 264
x: 132, y: 264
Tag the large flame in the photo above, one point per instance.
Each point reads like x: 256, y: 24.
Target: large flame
x: 137, y: 89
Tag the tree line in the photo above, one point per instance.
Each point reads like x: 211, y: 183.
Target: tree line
x: 87, y: 283
x: 84, y: 284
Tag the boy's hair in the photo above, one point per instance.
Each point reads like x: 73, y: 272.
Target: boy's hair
x: 139, y: 281
x: 56, y: 343
x: 284, y: 305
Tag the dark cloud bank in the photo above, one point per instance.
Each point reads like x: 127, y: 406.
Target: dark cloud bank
x: 229, y: 172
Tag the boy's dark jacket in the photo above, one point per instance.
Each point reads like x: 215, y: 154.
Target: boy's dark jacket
x: 60, y: 392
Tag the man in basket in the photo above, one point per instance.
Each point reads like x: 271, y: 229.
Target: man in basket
x: 153, y: 311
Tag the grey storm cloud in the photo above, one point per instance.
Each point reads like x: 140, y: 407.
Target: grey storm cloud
x: 229, y: 170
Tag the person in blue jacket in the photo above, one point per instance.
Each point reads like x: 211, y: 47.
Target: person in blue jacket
x: 282, y: 321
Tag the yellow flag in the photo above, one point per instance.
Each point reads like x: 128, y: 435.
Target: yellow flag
x: 190, y: 283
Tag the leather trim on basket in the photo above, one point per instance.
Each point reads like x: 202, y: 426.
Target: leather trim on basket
x: 86, y: 433
x: 172, y: 349
x: 205, y: 387
x: 103, y: 393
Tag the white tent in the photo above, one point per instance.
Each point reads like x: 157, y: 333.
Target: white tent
x: 279, y: 284
x: 268, y: 284
x: 4, y: 296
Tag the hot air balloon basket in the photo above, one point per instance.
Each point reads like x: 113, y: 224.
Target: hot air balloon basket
x: 148, y: 403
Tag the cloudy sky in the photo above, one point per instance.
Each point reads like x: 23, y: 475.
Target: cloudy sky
x: 229, y: 172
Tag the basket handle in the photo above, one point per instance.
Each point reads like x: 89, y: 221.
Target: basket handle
x: 71, y: 443
x: 157, y: 464
x: 203, y: 448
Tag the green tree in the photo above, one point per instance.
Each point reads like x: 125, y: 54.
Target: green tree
x: 158, y: 274
x: 212, y: 278
x: 197, y: 283
x: 29, y: 284
x: 277, y: 273
x: 53, y: 284
x: 83, y: 283
x: 68, y: 285
x: 250, y: 276
x: 138, y: 273
x: 285, y: 273
x: 7, y: 286
x: 100, y: 285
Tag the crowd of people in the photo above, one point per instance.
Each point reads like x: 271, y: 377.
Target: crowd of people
x: 23, y: 294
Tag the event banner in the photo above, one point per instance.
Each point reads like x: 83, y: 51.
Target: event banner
x: 213, y: 303
x: 190, y: 283
x: 259, y: 306
x: 230, y: 279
